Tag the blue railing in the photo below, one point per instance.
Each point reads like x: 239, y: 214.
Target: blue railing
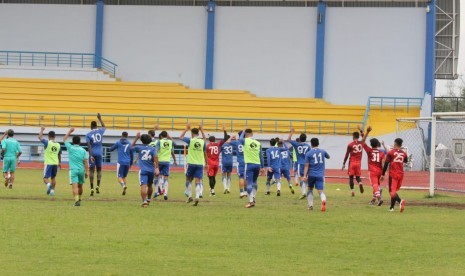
x: 391, y: 103
x: 55, y: 59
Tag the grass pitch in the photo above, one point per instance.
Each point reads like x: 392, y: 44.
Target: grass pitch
x: 112, y: 235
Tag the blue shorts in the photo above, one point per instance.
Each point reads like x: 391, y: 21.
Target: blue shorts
x: 122, y: 170
x: 294, y: 167
x: 226, y: 168
x: 286, y: 174
x: 50, y: 171
x: 251, y: 173
x: 316, y: 182
x: 241, y: 170
x: 276, y: 173
x: 164, y: 168
x: 299, y: 170
x: 146, y: 177
x: 195, y: 171
x: 97, y: 163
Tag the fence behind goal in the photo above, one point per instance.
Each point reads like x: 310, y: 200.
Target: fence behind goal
x: 439, y: 140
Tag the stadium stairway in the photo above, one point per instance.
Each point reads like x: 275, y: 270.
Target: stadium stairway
x: 62, y: 103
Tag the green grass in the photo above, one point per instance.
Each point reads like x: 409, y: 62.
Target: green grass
x: 112, y: 235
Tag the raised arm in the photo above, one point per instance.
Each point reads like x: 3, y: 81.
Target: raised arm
x: 135, y: 139
x: 99, y: 117
x: 183, y: 133
x: 70, y: 131
x: 204, y: 137
x: 41, y: 133
x: 366, y: 135
x: 290, y: 135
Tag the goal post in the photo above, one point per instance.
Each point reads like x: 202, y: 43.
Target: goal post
x: 436, y: 149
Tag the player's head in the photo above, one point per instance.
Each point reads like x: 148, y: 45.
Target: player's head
x: 398, y: 142
x: 248, y: 132
x: 146, y: 139
x: 164, y: 134
x: 302, y: 137
x: 195, y: 131
x: 124, y: 134
x: 297, y: 140
x: 76, y: 140
x: 93, y: 125
x: 374, y: 143
x: 280, y: 143
x: 314, y: 142
x: 212, y: 139
x: 51, y: 135
x: 151, y: 133
x: 356, y: 135
x: 273, y: 142
x: 11, y: 133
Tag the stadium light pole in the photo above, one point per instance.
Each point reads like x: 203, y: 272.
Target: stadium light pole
x: 430, y: 62
x: 210, y: 51
x: 99, y: 35
x: 320, y: 49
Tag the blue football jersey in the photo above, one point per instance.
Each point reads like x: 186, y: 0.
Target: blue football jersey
x: 273, y: 157
x: 300, y: 149
x: 146, y: 155
x: 124, y: 151
x: 286, y: 162
x: 239, y: 148
x: 226, y: 154
x: 316, y: 162
x: 95, y: 138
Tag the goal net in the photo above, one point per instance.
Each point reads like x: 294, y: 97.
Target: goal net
x: 436, y: 149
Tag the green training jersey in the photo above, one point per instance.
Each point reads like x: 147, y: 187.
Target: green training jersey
x: 196, y: 154
x: 51, y: 153
x: 76, y: 156
x: 294, y: 155
x: 252, y: 151
x: 11, y: 147
x: 154, y: 144
x: 165, y: 147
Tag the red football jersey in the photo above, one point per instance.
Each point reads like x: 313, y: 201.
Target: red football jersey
x: 375, y: 158
x: 355, y: 150
x: 213, y: 153
x: 396, y: 158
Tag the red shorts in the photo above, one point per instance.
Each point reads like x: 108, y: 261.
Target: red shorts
x: 395, y: 182
x: 212, y: 169
x: 374, y: 176
x: 355, y: 169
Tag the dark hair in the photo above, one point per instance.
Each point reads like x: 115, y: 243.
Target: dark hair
x: 273, y: 142
x: 124, y: 134
x: 146, y: 139
x: 195, y: 131
x: 163, y: 134
x: 159, y: 136
x: 11, y: 133
x: 314, y: 142
x: 151, y: 133
x: 227, y: 137
x: 280, y: 143
x: 239, y: 133
x: 399, y: 142
x: 374, y: 143
x: 76, y: 140
x: 211, y: 139
x: 249, y: 131
x: 93, y: 124
x: 297, y: 139
x: 303, y: 137
x: 51, y: 134
x: 356, y: 134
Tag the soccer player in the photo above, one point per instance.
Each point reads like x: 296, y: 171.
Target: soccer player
x: 375, y: 166
x: 295, y: 164
x: 11, y: 151
x: 300, y: 149
x: 213, y: 159
x: 52, y: 160
x: 286, y: 163
x: 195, y: 162
x: 125, y: 159
x: 94, y: 146
x: 395, y: 161
x: 354, y: 150
x: 148, y: 163
x: 165, y: 152
x: 253, y: 158
x: 273, y: 168
x: 314, y: 173
x: 78, y: 165
x: 227, y: 164
x: 239, y: 148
